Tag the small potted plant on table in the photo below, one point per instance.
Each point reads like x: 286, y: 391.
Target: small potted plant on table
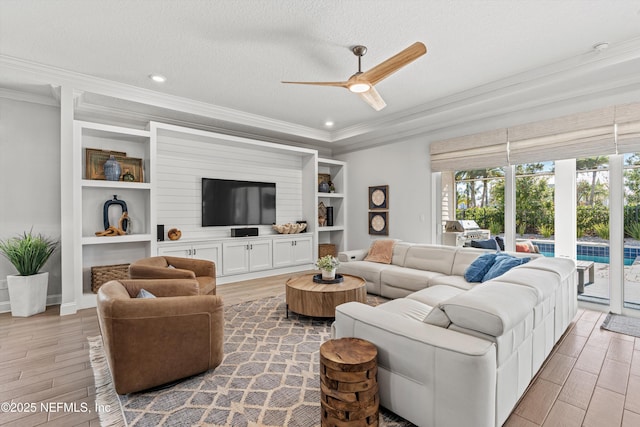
x: 327, y: 265
x: 28, y: 289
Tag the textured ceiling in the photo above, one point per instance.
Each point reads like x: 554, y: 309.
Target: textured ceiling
x: 234, y: 54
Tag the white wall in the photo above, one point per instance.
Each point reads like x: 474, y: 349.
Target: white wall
x: 29, y: 181
x: 404, y: 167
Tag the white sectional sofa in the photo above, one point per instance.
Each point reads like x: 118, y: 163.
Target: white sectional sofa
x: 451, y: 352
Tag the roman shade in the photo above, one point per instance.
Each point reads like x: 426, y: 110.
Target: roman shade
x: 605, y: 131
x: 574, y: 136
x: 628, y: 128
x: 478, y: 151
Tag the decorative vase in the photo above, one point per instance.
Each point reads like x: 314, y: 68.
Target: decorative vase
x: 329, y: 275
x: 28, y: 294
x: 112, y: 169
x: 329, y: 216
x: 323, y: 187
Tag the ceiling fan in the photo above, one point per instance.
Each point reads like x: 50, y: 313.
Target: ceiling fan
x: 363, y: 83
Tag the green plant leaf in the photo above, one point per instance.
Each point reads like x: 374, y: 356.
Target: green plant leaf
x: 28, y: 252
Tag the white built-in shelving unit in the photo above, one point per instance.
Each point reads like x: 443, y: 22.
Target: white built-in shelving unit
x: 175, y: 159
x: 89, y: 196
x: 337, y: 233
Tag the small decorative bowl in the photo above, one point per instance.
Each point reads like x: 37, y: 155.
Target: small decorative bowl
x: 289, y: 228
x: 174, y: 234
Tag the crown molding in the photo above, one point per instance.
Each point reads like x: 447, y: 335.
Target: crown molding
x: 93, y: 112
x: 29, y: 97
x: 82, y: 82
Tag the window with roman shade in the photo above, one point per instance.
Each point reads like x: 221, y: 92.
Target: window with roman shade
x: 628, y: 127
x: 478, y: 151
x: 577, y: 135
x: 605, y: 131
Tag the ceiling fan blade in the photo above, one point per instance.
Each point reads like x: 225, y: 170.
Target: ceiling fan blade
x: 337, y: 84
x: 373, y: 98
x: 393, y: 64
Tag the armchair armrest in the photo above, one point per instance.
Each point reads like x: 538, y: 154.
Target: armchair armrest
x: 200, y: 267
x: 354, y: 255
x: 137, y: 271
x: 162, y: 287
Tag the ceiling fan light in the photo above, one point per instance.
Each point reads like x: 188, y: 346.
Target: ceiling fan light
x: 359, y: 87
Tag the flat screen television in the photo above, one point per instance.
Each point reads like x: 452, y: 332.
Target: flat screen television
x: 231, y: 202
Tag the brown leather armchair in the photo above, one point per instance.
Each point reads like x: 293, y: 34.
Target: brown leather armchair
x: 157, y: 267
x: 154, y: 341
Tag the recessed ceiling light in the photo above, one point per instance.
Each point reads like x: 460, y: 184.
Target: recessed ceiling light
x: 158, y: 78
x: 329, y: 123
x: 599, y: 47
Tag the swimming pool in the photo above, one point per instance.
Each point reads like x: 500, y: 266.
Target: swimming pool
x: 594, y: 258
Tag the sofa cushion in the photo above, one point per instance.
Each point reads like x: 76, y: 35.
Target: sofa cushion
x: 381, y: 251
x: 434, y: 295
x: 369, y: 271
x: 454, y: 281
x: 400, y: 253
x: 479, y: 268
x: 437, y: 317
x: 544, y: 282
x: 464, y: 258
x: 502, y: 264
x: 407, y: 278
x: 407, y: 308
x: 491, y: 308
x: 434, y: 258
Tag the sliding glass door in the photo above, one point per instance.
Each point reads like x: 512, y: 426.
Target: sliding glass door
x: 592, y: 225
x: 631, y: 288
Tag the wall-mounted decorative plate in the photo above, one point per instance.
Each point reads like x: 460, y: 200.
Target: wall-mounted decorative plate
x: 379, y: 223
x: 379, y: 197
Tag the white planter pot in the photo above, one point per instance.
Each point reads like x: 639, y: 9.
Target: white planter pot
x: 328, y: 275
x: 28, y: 294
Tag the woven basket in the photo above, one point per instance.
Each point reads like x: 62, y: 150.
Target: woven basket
x: 101, y: 274
x: 325, y: 249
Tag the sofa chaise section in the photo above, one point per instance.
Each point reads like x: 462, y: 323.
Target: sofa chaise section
x: 460, y: 375
x: 452, y: 352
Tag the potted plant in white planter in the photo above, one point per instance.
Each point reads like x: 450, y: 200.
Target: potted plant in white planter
x: 327, y: 265
x: 28, y: 290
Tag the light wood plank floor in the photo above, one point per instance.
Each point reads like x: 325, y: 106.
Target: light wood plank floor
x: 592, y: 377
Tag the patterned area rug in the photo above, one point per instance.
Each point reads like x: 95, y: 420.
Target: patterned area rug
x: 622, y: 324
x: 269, y: 377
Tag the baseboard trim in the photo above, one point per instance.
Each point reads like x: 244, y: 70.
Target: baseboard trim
x: 68, y: 308
x: 5, y: 306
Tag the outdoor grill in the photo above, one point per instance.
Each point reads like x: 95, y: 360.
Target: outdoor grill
x: 462, y: 232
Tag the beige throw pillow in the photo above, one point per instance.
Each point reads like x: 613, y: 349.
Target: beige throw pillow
x: 381, y: 251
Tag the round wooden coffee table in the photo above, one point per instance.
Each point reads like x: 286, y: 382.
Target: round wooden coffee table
x: 304, y: 296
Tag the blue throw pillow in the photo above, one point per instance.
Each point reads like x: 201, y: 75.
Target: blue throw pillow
x: 145, y: 294
x: 478, y: 268
x: 484, y: 244
x: 503, y: 264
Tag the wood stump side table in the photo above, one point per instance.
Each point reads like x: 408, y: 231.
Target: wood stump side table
x: 349, y: 383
